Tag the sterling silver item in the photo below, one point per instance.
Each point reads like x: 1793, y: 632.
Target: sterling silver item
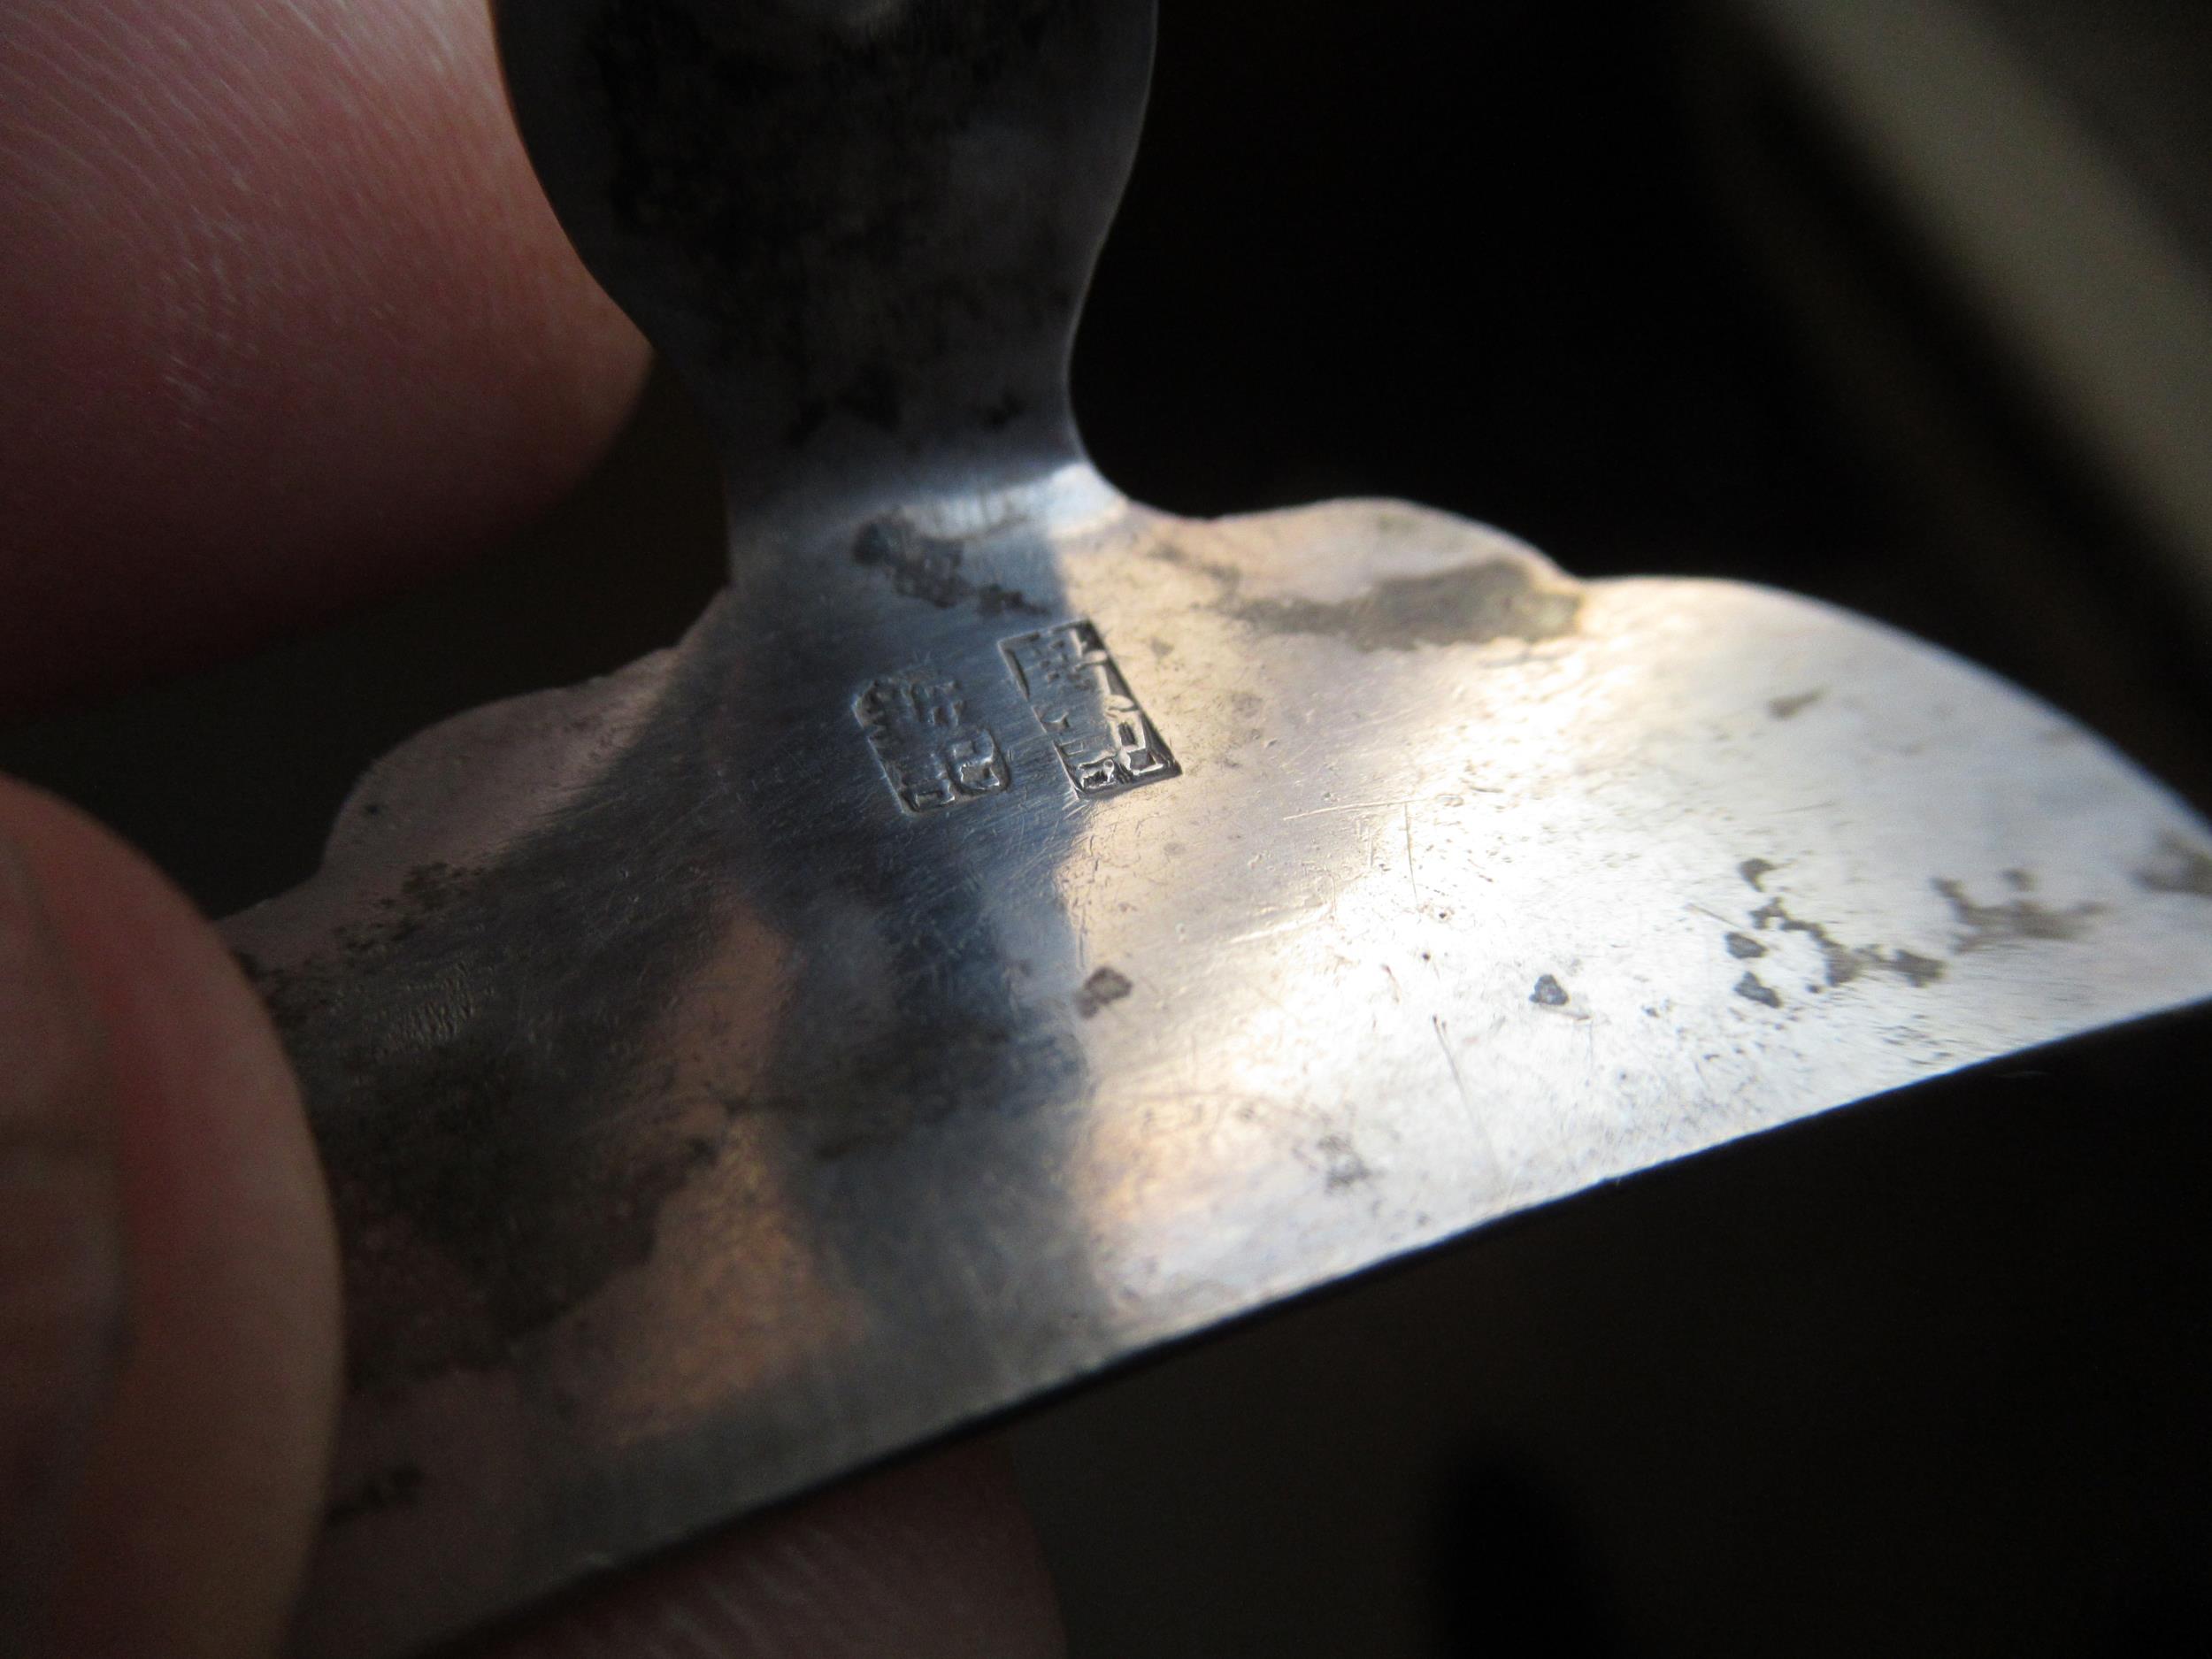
x: 1015, y: 928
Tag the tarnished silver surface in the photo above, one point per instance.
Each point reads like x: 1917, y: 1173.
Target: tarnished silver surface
x: 1015, y: 927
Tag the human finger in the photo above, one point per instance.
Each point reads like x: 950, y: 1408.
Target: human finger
x: 284, y: 321
x: 203, y: 1476
x: 933, y: 1560
x: 61, y: 1248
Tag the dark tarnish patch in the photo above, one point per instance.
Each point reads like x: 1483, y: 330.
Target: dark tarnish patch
x: 1755, y: 870
x: 1471, y: 605
x: 748, y: 198
x: 2178, y: 866
x: 1102, y: 988
x: 1752, y: 987
x: 888, y: 1087
x: 1344, y: 1166
x: 1745, y: 946
x: 397, y: 1487
x: 928, y: 568
x: 2016, y: 921
x: 530, y: 1246
x: 461, y: 1237
x: 1844, y: 962
x: 1226, y: 576
x: 1003, y: 412
x: 1548, y: 992
x: 425, y: 891
x: 1790, y: 707
x: 871, y: 396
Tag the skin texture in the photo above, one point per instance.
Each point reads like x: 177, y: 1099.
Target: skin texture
x: 288, y: 322
x: 928, y: 1561
x: 191, y: 1519
x: 284, y: 323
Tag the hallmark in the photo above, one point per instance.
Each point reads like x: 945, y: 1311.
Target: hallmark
x: 1105, y: 739
x: 932, y: 754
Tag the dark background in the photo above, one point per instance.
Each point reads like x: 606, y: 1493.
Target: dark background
x: 1926, y: 1379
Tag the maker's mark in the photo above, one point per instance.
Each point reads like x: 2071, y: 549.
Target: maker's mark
x: 1103, y: 738
x: 932, y: 754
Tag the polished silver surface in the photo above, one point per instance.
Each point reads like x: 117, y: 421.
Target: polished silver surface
x: 1015, y: 928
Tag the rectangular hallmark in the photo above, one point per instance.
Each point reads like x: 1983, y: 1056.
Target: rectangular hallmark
x: 1105, y: 739
x: 932, y: 754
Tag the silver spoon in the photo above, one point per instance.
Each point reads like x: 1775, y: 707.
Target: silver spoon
x: 1016, y: 928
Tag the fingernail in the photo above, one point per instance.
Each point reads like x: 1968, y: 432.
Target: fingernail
x: 61, y: 1292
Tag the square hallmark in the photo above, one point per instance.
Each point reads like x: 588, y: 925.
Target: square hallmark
x: 1104, y: 739
x: 932, y: 755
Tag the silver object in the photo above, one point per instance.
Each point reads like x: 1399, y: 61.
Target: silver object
x: 1015, y: 928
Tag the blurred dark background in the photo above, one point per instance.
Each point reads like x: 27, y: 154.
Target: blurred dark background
x: 1905, y: 304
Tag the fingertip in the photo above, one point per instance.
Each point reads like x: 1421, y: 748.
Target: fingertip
x: 61, y: 1245
x: 934, y: 1559
x: 204, y: 1486
x: 284, y: 321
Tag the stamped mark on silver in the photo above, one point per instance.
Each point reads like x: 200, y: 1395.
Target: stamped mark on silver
x: 1105, y: 739
x: 934, y: 756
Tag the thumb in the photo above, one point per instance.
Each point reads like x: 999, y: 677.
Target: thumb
x: 61, y: 1280
x: 160, y: 1494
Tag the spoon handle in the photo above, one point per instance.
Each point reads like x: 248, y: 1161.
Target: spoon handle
x: 861, y: 229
